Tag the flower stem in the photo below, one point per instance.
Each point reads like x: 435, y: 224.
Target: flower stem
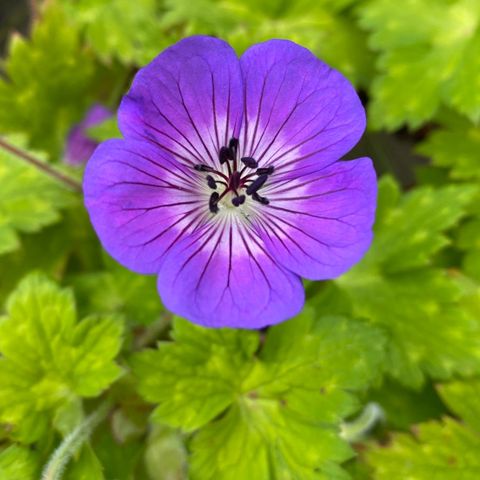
x: 44, y: 167
x: 358, y: 428
x: 72, y: 442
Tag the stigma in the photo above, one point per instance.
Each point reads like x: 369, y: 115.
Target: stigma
x: 243, y: 178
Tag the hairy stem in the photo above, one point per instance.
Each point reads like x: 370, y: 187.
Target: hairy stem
x: 72, y: 442
x: 358, y: 428
x: 42, y: 166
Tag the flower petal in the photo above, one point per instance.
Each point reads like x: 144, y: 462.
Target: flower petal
x: 140, y: 201
x: 79, y: 147
x: 224, y: 277
x: 321, y: 225
x: 300, y: 115
x: 188, y: 99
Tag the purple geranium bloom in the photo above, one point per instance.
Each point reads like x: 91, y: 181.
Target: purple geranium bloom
x: 79, y: 146
x: 228, y: 183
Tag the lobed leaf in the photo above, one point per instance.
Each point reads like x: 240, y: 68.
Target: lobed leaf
x: 19, y: 463
x: 49, y: 358
x: 48, y: 83
x: 397, y: 287
x: 270, y: 414
x: 120, y: 29
x: 29, y: 201
x: 444, y: 450
x: 423, y: 64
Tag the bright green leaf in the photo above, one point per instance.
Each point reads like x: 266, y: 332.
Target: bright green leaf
x: 121, y: 29
x: 272, y: 414
x: 327, y: 28
x: 49, y: 358
x: 29, y: 200
x: 443, y: 451
x: 428, y: 58
x: 195, y: 377
x: 118, y: 290
x: 47, y: 84
x: 446, y: 450
x: 468, y: 240
x: 104, y: 131
x: 395, y: 286
x: 19, y: 463
x: 455, y: 148
x: 462, y: 397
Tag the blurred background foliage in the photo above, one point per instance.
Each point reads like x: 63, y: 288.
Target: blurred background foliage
x: 85, y: 390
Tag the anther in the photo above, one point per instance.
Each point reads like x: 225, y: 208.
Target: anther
x: 225, y: 155
x: 213, y: 202
x: 202, y: 168
x: 233, y: 146
x: 237, y: 201
x: 211, y: 182
x: 257, y: 184
x: 262, y: 200
x: 249, y: 162
x: 265, y: 170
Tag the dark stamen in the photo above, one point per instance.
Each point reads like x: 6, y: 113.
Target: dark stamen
x: 211, y: 182
x: 265, y: 170
x: 249, y: 162
x: 233, y: 146
x: 237, y: 201
x: 256, y: 184
x: 236, y: 180
x: 262, y: 200
x: 224, y: 155
x: 213, y: 202
x: 202, y: 168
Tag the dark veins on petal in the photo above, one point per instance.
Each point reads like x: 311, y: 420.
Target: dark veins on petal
x: 239, y: 178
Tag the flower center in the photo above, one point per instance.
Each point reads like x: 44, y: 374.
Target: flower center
x: 243, y: 178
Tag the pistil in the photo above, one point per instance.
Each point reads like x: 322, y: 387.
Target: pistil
x: 235, y: 181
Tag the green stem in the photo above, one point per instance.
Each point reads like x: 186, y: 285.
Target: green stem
x: 44, y: 167
x: 72, y: 442
x: 358, y: 428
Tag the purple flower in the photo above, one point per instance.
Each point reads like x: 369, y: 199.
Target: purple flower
x: 79, y: 146
x: 228, y: 183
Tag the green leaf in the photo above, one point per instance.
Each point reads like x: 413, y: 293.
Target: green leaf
x: 272, y: 414
x: 118, y: 290
x: 445, y: 450
x: 119, y: 458
x: 48, y: 82
x: 326, y: 28
x: 468, y: 240
x: 121, y: 29
x: 404, y: 407
x: 462, y: 398
x: 105, y: 130
x: 429, y: 48
x: 165, y: 455
x: 396, y: 287
x: 195, y: 375
x: 49, y: 359
x: 455, y: 148
x: 410, y: 234
x: 85, y: 466
x: 29, y: 200
x: 19, y: 463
